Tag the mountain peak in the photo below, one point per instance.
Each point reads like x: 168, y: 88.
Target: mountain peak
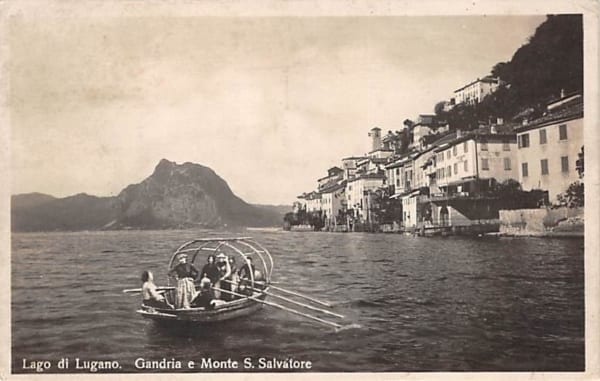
x: 173, y: 196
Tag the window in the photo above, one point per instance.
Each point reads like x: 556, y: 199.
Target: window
x: 543, y: 138
x: 466, y: 166
x: 507, y: 164
x: 564, y: 163
x: 484, y: 146
x: 398, y: 182
x: 465, y: 147
x: 349, y: 187
x: 448, y: 171
x: 485, y: 166
x: 448, y: 154
x: 524, y: 169
x: 454, y: 150
x: 562, y: 132
x: 505, y: 145
x: 397, y: 171
x: 441, y: 157
x: 544, y: 165
x: 524, y: 141
x: 455, y: 168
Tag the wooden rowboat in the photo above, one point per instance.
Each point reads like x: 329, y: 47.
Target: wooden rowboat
x: 259, y: 283
x: 196, y: 251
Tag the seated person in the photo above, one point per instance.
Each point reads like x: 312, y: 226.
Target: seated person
x: 245, y: 288
x: 247, y: 269
x: 206, y: 296
x: 151, y: 297
x: 258, y: 276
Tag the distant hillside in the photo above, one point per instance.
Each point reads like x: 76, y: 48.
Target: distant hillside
x: 30, y: 199
x: 79, y: 212
x: 174, y: 196
x: 280, y: 209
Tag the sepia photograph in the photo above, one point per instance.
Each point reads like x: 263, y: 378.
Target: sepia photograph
x: 301, y: 189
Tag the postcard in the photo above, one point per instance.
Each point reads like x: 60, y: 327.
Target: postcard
x: 300, y: 189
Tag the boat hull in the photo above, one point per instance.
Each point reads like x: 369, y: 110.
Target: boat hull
x: 230, y: 310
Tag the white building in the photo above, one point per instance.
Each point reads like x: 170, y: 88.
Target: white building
x: 459, y: 163
x: 548, y: 150
x: 475, y: 91
x: 333, y: 200
x: 313, y: 202
x: 356, y: 193
x: 350, y: 165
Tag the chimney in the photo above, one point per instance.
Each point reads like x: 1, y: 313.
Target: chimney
x: 562, y: 93
x: 458, y: 133
x: 499, y: 121
x: 493, y: 130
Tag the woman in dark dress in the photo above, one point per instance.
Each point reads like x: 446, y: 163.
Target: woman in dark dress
x: 210, y: 269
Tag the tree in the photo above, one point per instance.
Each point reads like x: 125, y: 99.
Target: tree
x: 439, y: 109
x: 512, y: 196
x: 551, y: 61
x: 573, y: 197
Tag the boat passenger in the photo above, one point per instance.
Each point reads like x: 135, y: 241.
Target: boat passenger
x: 210, y: 269
x: 186, y: 274
x: 232, y: 281
x: 247, y: 269
x: 245, y: 287
x: 224, y: 272
x: 206, y: 295
x: 150, y: 296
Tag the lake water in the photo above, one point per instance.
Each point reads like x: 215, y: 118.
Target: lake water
x: 417, y: 304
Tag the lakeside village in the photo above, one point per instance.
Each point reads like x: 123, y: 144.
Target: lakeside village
x: 523, y: 176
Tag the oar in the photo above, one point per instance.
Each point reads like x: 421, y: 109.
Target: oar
x: 295, y: 302
x: 326, y: 304
x: 336, y: 325
x: 131, y: 290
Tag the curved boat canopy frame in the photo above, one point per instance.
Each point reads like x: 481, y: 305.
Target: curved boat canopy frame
x: 239, y: 247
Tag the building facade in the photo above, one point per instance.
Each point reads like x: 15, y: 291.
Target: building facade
x: 475, y: 91
x: 357, y: 190
x: 313, y: 202
x: 547, y: 152
x: 333, y: 200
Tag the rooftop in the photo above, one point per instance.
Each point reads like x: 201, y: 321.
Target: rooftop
x: 368, y: 176
x: 571, y: 111
x: 486, y: 79
x: 333, y: 187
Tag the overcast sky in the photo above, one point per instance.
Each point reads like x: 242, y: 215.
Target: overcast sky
x: 268, y: 103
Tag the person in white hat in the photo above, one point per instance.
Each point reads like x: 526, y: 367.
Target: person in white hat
x: 224, y: 273
x: 186, y: 275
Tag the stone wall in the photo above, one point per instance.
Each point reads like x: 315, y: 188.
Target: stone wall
x: 540, y: 221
